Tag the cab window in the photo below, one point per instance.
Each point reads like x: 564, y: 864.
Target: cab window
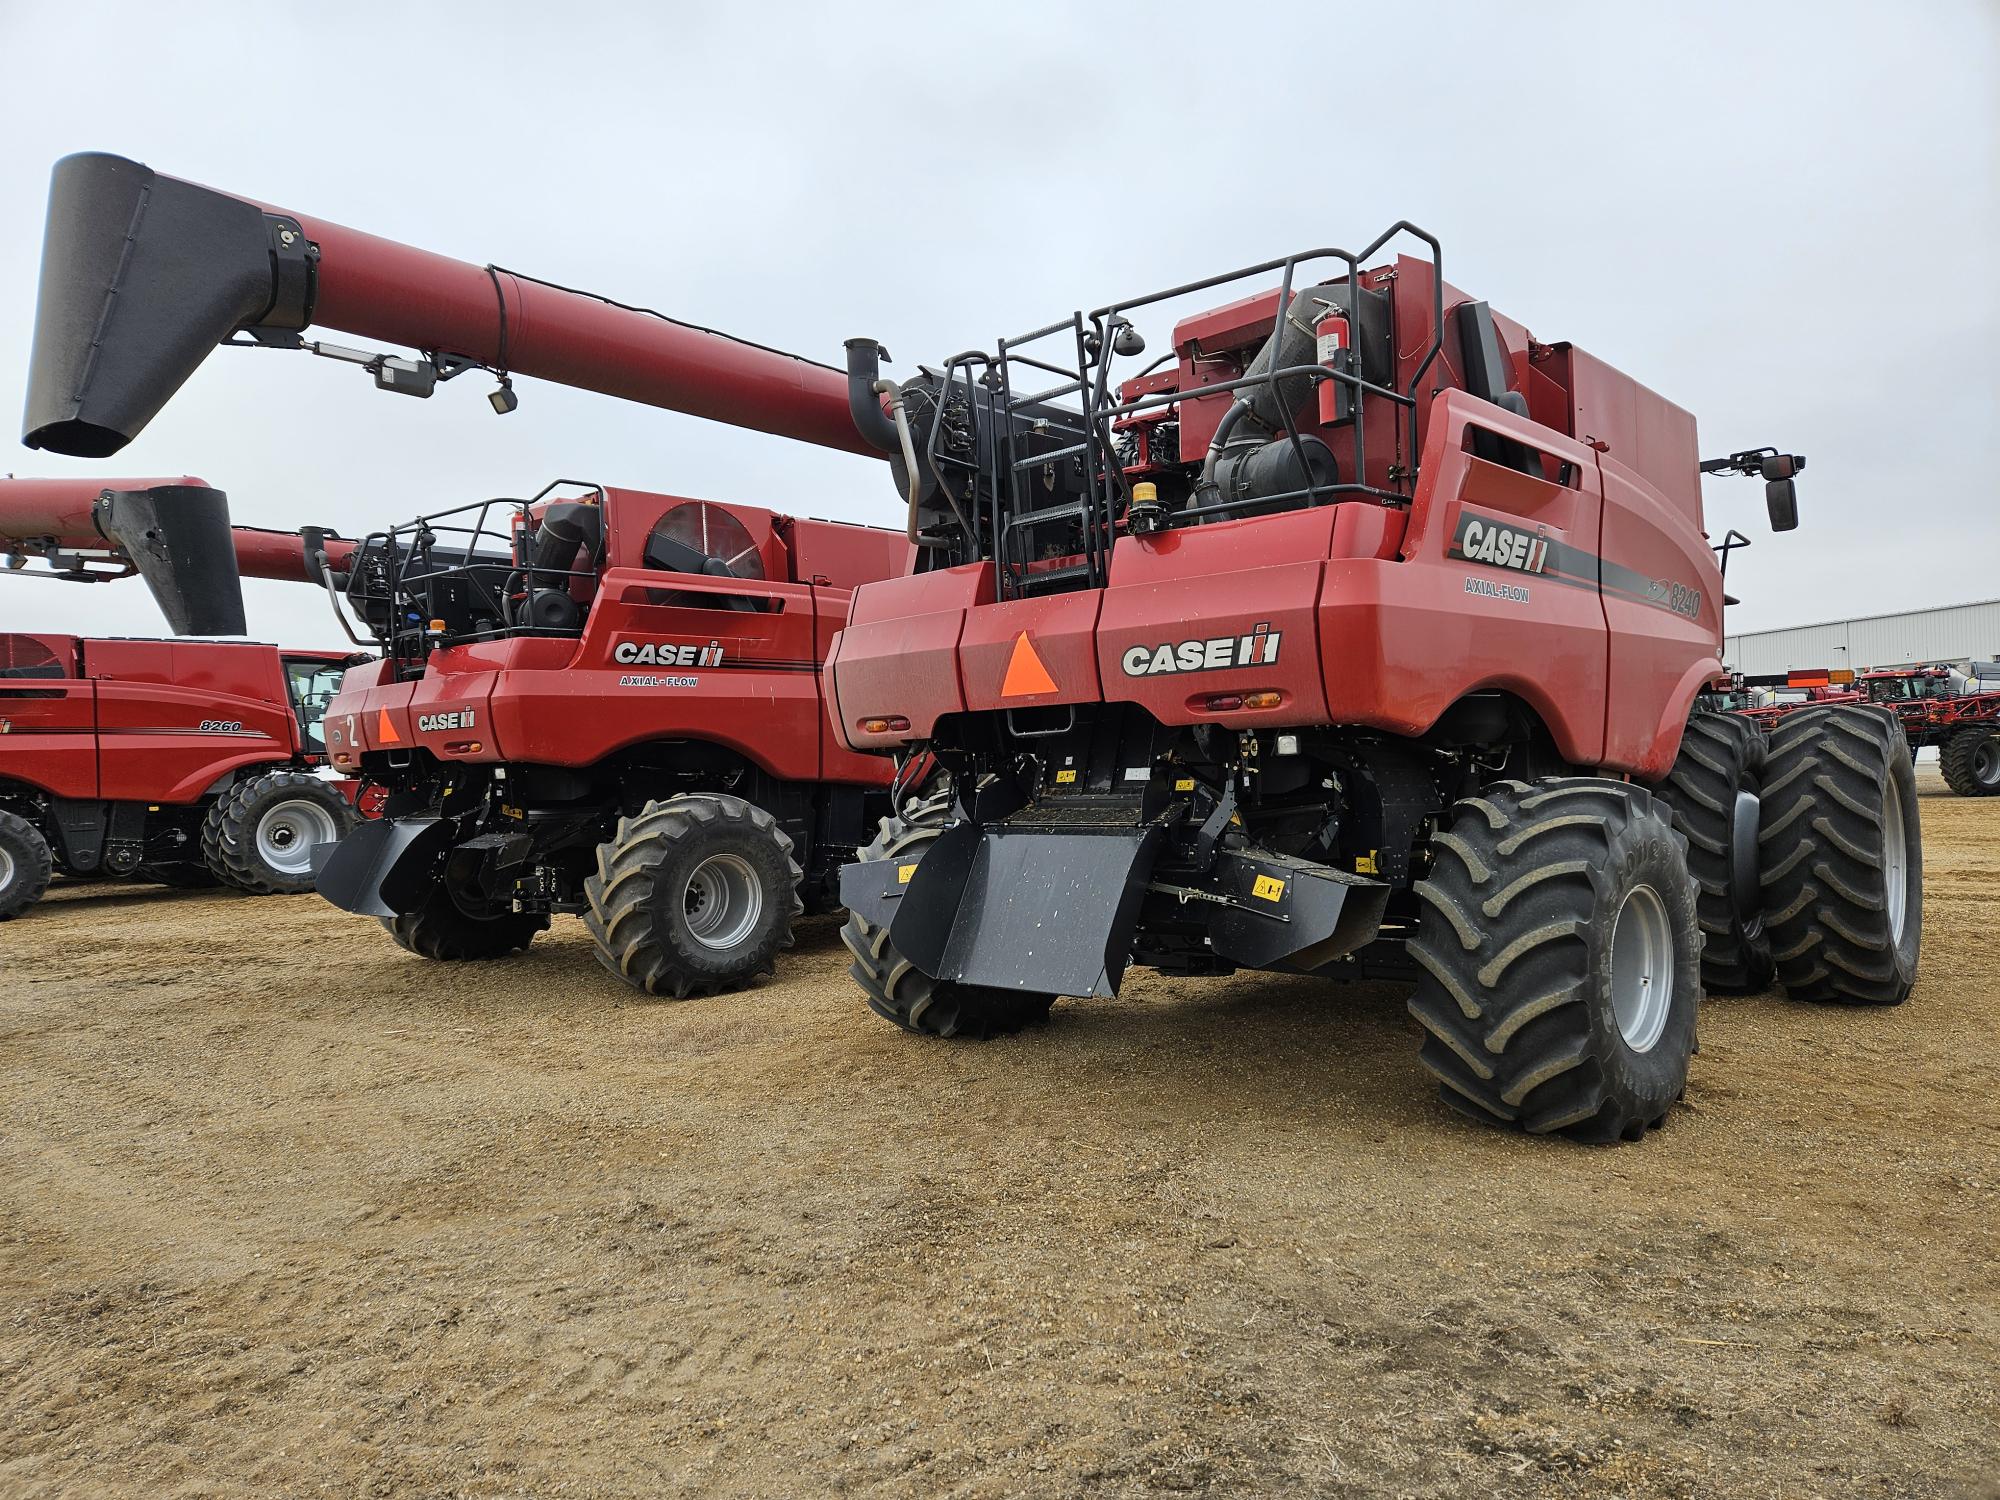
x: 313, y: 684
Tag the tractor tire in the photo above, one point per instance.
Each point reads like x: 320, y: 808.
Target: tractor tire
x: 25, y: 865
x: 1843, y: 857
x: 1713, y: 792
x: 211, y: 839
x: 440, y: 930
x: 179, y: 875
x: 1970, y: 761
x: 1561, y: 959
x: 267, y: 826
x: 900, y: 992
x: 694, y: 895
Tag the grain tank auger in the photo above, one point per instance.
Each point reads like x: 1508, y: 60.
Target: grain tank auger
x: 1357, y: 632
x: 144, y: 274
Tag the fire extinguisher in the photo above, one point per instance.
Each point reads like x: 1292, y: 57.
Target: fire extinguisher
x: 1335, y: 399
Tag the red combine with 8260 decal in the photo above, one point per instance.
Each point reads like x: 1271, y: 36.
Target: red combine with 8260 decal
x: 186, y: 762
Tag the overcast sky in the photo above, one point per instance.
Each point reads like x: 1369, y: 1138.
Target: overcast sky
x: 1782, y: 216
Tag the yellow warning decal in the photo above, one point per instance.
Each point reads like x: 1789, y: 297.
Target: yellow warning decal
x: 1365, y: 865
x: 1267, y: 888
x: 904, y: 872
x: 1184, y: 784
x: 1064, y: 778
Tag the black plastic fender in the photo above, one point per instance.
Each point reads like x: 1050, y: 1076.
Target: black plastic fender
x: 383, y: 868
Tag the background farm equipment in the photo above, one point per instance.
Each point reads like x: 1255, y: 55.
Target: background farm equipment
x: 1359, y: 632
x: 1940, y: 706
x: 188, y: 762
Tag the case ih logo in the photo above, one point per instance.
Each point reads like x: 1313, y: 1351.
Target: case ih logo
x: 432, y: 723
x: 1481, y: 541
x: 1259, y: 648
x: 666, y: 654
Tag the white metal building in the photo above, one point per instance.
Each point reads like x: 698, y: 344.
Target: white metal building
x: 1955, y: 633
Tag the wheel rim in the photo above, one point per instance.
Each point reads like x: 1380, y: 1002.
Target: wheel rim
x: 286, y: 835
x: 1642, y: 967
x: 1895, y: 863
x: 724, y: 900
x: 6, y: 870
x: 1986, y: 762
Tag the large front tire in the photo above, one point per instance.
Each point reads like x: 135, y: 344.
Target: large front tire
x: 25, y: 865
x: 1970, y: 761
x: 694, y: 895
x: 1714, y: 793
x: 266, y: 827
x: 1560, y: 957
x: 1843, y: 856
x: 900, y: 992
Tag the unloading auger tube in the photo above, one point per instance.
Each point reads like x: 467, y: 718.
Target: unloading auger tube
x: 172, y: 532
x: 144, y: 274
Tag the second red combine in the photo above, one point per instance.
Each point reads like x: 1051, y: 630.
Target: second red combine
x: 594, y: 700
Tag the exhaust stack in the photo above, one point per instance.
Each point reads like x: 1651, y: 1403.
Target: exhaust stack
x: 143, y: 274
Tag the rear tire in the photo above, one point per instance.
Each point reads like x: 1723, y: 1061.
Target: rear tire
x: 1843, y: 857
x: 267, y: 826
x: 900, y: 992
x: 25, y: 865
x: 1713, y: 792
x: 439, y: 930
x: 694, y: 895
x: 1561, y: 959
x: 1970, y: 761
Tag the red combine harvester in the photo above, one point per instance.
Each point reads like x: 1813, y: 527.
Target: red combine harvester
x: 594, y: 700
x: 1941, y: 706
x: 1358, y: 633
x: 179, y: 761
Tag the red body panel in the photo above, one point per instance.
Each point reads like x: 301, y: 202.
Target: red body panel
x: 148, y: 721
x: 379, y: 289
x: 663, y: 656
x: 1382, y: 621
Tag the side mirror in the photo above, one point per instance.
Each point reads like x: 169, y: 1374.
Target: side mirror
x: 1781, y: 498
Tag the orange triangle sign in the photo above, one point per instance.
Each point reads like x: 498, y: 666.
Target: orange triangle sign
x: 385, y: 732
x: 1025, y: 672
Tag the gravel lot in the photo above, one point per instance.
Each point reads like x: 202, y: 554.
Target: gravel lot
x: 285, y: 1211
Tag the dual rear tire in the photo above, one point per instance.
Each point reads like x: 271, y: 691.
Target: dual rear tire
x: 1842, y: 856
x: 1567, y: 925
x: 258, y: 836
x: 1970, y: 761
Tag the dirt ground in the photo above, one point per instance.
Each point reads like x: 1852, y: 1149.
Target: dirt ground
x: 285, y: 1211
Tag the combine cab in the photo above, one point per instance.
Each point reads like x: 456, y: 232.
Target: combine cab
x: 1358, y: 632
